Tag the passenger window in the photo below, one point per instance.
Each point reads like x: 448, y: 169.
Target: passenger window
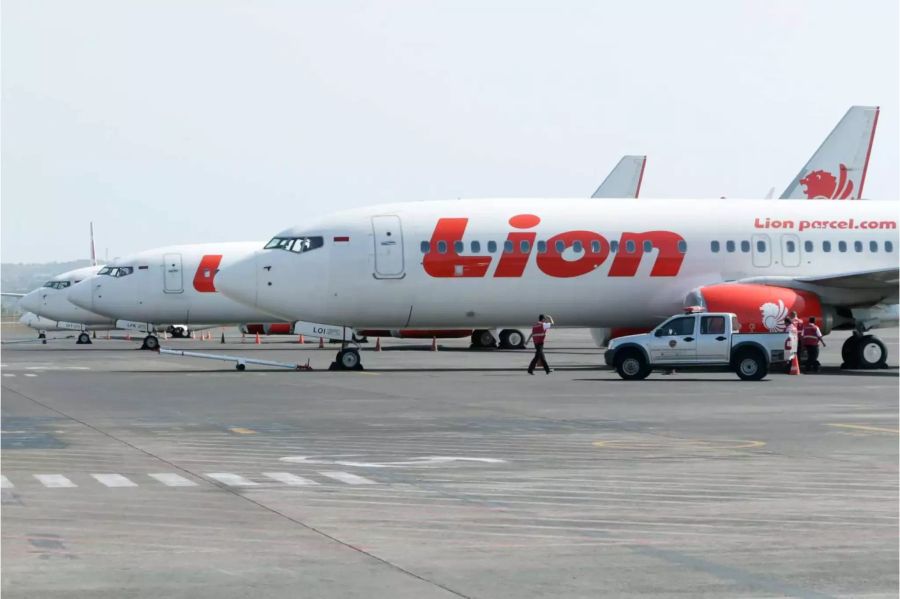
x: 826, y: 246
x: 442, y: 247
x: 630, y: 247
x: 790, y: 246
x: 745, y: 246
x: 714, y: 246
x: 873, y: 246
x: 842, y: 246
x: 761, y: 246
x: 712, y: 325
x: 542, y: 247
x: 507, y: 247
x: 682, y: 247
x: 560, y: 246
x: 425, y: 247
x: 578, y: 247
x: 595, y: 246
x: 476, y: 247
x: 524, y: 246
x: 648, y: 246
x: 857, y: 245
x: 888, y: 247
x: 678, y: 326
x: 808, y: 246
x: 613, y: 246
x: 458, y: 247
x: 729, y: 247
x: 492, y: 247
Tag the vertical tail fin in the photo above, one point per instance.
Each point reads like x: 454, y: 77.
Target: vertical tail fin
x: 93, y: 252
x: 624, y: 181
x: 837, y: 170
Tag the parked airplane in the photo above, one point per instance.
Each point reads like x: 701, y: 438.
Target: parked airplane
x: 590, y: 264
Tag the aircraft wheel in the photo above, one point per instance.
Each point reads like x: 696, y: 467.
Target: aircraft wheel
x: 483, y: 338
x: 151, y: 342
x: 42, y: 335
x: 871, y: 352
x: 83, y: 339
x: 512, y: 339
x: 850, y: 352
x: 348, y: 359
x: 241, y: 367
x: 178, y: 333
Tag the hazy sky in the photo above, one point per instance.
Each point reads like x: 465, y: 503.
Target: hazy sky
x: 178, y: 122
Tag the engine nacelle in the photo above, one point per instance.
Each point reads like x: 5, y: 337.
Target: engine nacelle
x: 762, y: 308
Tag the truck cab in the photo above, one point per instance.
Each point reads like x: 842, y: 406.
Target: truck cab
x: 709, y: 340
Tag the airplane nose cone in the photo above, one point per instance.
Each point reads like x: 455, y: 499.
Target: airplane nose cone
x: 238, y: 281
x: 82, y: 294
x: 32, y: 301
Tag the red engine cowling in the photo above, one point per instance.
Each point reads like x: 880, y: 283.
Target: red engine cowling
x: 761, y: 308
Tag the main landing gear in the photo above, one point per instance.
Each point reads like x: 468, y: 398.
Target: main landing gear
x: 179, y: 332
x: 83, y: 339
x: 864, y: 351
x: 509, y: 339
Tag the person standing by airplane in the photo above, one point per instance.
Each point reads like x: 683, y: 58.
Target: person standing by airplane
x: 812, y: 336
x: 539, y: 334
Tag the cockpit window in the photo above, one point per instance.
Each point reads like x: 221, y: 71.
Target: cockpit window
x: 105, y: 270
x: 57, y: 284
x: 116, y: 271
x: 298, y: 245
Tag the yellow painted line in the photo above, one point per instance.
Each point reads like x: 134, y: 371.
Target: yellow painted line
x: 242, y: 431
x: 876, y: 429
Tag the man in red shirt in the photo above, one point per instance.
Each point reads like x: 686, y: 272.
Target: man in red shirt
x: 539, y: 334
x: 811, y: 337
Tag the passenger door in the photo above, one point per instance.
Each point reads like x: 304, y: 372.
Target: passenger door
x: 790, y: 250
x: 388, y: 236
x: 762, y: 251
x: 173, y: 281
x: 675, y: 341
x: 712, y: 343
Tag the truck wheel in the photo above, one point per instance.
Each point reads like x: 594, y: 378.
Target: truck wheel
x: 512, y: 339
x: 750, y: 366
x: 632, y: 366
x: 871, y: 352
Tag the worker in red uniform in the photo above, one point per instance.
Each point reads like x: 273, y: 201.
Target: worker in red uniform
x: 539, y: 334
x: 798, y: 323
x: 811, y: 337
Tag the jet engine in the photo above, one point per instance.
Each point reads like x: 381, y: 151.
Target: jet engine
x: 762, y: 308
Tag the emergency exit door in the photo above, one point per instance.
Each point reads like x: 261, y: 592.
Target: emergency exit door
x: 173, y: 281
x: 762, y: 250
x: 388, y: 237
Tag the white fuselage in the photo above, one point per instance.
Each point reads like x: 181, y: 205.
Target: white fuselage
x: 371, y: 271
x: 51, y: 302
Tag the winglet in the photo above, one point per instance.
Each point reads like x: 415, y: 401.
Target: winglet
x: 837, y: 170
x: 624, y: 181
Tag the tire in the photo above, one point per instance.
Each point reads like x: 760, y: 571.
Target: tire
x: 850, y: 352
x: 84, y: 339
x: 348, y: 359
x: 151, y: 342
x: 871, y: 352
x: 632, y: 366
x: 750, y: 365
x: 241, y: 367
x: 512, y: 339
x: 179, y: 333
x: 483, y: 338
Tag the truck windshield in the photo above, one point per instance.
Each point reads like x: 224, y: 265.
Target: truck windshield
x: 678, y: 326
x: 298, y: 245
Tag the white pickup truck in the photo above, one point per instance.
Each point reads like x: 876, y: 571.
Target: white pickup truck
x: 708, y: 340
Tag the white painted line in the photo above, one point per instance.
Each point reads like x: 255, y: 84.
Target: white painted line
x: 350, y: 479
x: 114, y: 480
x: 232, y: 480
x: 172, y: 480
x: 54, y: 481
x: 31, y: 374
x: 4, y: 374
x: 5, y: 483
x: 76, y: 367
x: 290, y: 479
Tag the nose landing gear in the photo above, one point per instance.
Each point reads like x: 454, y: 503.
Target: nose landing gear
x: 83, y: 339
x: 347, y: 359
x: 151, y: 342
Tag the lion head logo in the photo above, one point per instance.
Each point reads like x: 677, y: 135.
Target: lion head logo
x: 821, y: 185
x: 773, y: 316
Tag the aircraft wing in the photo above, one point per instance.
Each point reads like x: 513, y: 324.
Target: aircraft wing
x: 850, y: 289
x: 624, y: 181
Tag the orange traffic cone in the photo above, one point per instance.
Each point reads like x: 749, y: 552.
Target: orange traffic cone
x: 795, y: 365
x: 378, y: 344
x: 434, y: 344
x: 257, y: 339
x: 301, y: 340
x: 321, y: 343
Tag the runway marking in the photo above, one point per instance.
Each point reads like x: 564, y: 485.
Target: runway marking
x: 30, y: 374
x: 290, y: 479
x: 675, y: 444
x: 232, y: 480
x: 114, y: 480
x: 876, y: 429
x: 5, y: 374
x: 171, y: 479
x: 242, y: 431
x: 5, y: 483
x: 350, y: 479
x: 54, y: 481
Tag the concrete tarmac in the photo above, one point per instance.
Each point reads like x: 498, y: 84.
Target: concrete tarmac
x: 440, y: 474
